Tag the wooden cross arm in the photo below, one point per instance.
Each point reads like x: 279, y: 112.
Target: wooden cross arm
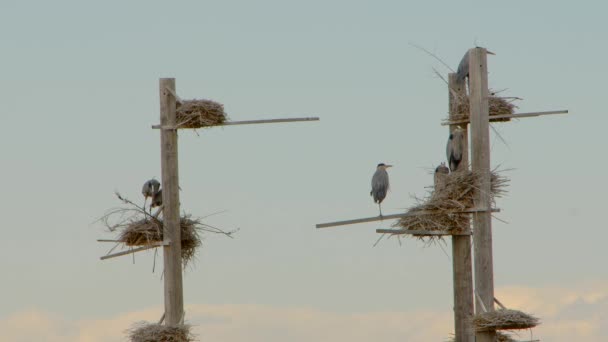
x: 395, y: 216
x: 245, y: 122
x: 135, y: 250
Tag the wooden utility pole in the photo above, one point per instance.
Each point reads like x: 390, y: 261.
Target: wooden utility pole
x: 172, y: 252
x: 462, y: 265
x: 480, y: 156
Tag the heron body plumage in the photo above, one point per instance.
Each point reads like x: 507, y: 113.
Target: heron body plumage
x: 157, y: 199
x: 380, y: 184
x: 463, y: 68
x: 150, y: 188
x: 455, y: 148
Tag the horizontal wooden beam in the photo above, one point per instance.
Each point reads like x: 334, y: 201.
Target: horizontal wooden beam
x: 245, y: 122
x: 395, y: 216
x: 135, y: 250
x: 508, y: 116
x: 107, y: 240
x: 419, y: 232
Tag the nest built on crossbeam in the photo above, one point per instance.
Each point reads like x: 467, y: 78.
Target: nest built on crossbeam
x: 148, y: 230
x: 504, y: 319
x: 199, y: 114
x: 138, y: 228
x: 152, y: 332
x: 496, y: 106
x: 500, y: 337
x: 442, y: 210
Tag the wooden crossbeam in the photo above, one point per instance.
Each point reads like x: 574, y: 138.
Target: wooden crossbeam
x: 395, y: 216
x: 245, y: 122
x: 135, y: 250
x: 420, y: 232
x: 509, y: 116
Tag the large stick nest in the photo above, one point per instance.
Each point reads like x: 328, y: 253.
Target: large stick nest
x: 500, y: 337
x: 152, y: 332
x: 504, y: 319
x: 200, y: 113
x: 442, y: 210
x: 137, y: 227
x: 497, y: 106
x: 150, y: 229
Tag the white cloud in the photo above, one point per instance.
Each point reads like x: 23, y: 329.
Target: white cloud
x: 566, y: 314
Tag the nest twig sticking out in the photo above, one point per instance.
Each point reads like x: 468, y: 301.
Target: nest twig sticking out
x: 152, y: 332
x: 199, y: 114
x: 504, y: 319
x: 442, y: 209
x: 138, y: 228
x: 497, y: 106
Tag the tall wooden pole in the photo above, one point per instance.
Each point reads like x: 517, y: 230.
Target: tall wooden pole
x: 480, y: 154
x: 174, y: 296
x: 462, y: 264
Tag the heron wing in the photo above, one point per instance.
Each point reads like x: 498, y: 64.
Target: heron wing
x: 380, y: 185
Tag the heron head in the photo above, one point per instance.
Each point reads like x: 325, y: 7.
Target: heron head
x: 384, y: 166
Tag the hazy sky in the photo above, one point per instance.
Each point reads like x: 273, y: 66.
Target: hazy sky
x: 79, y: 92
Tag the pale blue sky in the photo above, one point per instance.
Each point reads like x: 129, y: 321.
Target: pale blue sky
x: 79, y: 92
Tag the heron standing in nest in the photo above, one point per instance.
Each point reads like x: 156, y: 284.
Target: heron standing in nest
x: 380, y: 184
x: 149, y: 189
x: 455, y: 148
x: 441, y: 173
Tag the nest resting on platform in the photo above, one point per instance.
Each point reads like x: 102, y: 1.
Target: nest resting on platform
x: 152, y: 332
x: 497, y: 106
x: 137, y: 227
x: 442, y: 210
x: 500, y: 337
x: 199, y: 114
x: 150, y: 230
x: 504, y: 319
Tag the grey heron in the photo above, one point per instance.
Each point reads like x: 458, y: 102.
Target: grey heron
x: 149, y: 189
x: 455, y: 148
x: 380, y: 184
x: 463, y: 68
x: 439, y: 179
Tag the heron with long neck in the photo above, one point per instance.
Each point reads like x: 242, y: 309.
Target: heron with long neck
x: 380, y: 185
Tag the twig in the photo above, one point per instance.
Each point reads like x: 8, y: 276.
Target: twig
x: 432, y: 55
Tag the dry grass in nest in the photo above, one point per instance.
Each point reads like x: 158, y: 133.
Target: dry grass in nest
x: 152, y: 332
x: 442, y: 209
x: 200, y: 113
x: 504, y: 319
x: 150, y: 229
x: 497, y: 106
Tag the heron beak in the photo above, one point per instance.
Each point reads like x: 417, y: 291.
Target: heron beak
x: 387, y: 166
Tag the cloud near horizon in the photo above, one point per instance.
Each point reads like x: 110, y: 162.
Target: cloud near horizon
x: 566, y: 315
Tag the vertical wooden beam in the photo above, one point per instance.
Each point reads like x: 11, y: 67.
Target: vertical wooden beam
x: 480, y: 154
x: 462, y: 264
x: 174, y: 297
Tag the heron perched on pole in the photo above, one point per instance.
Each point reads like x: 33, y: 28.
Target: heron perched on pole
x: 455, y: 148
x: 380, y: 184
x: 149, y: 189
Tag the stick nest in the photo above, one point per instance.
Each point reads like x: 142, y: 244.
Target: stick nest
x: 200, y: 113
x: 497, y: 106
x: 442, y: 209
x: 136, y: 227
x: 500, y: 337
x: 504, y: 319
x: 150, y: 230
x: 152, y: 332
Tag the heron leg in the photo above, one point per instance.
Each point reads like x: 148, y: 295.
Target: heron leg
x: 380, y: 208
